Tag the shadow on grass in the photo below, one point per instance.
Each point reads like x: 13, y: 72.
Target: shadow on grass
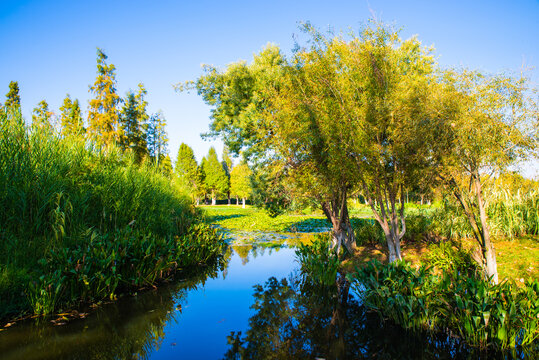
x: 310, y: 225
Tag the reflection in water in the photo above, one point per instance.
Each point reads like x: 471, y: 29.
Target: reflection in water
x: 290, y: 318
x: 131, y: 328
x: 298, y: 319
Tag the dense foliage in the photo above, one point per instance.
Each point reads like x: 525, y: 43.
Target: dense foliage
x: 82, y: 223
x: 483, y: 314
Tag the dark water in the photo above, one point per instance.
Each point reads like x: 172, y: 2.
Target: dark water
x: 255, y: 305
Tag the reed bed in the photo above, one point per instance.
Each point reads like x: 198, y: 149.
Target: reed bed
x: 68, y: 206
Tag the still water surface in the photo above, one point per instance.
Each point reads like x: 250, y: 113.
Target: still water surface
x: 254, y: 305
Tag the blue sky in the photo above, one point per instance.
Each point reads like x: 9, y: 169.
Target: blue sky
x: 49, y: 47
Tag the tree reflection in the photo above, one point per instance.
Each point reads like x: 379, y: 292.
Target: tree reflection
x: 296, y: 318
x: 127, y: 329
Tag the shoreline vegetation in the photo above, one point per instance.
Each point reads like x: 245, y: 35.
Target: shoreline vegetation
x: 82, y: 223
x: 438, y: 288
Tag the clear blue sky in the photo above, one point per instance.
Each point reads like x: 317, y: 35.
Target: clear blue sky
x: 49, y: 47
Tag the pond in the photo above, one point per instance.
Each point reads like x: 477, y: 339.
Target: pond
x: 253, y: 305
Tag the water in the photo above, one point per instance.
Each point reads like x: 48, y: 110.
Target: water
x: 255, y: 305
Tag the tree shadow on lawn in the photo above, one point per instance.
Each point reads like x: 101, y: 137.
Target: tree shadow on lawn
x: 310, y: 225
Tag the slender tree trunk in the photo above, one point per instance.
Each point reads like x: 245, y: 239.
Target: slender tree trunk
x: 489, y: 254
x: 243, y: 205
x: 388, y: 216
x: 237, y: 200
x: 213, y: 200
x: 229, y: 199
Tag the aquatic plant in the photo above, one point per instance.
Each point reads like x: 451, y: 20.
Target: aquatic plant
x: 486, y: 315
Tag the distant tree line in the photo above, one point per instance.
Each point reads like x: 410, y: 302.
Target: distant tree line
x: 110, y: 121
x: 213, y: 179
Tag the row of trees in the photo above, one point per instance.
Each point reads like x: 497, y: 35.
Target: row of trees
x: 212, y: 178
x: 371, y: 114
x: 111, y: 120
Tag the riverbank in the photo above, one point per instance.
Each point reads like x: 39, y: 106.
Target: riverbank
x: 516, y: 257
x: 81, y: 223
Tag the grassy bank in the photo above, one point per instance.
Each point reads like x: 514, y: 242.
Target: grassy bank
x: 81, y: 223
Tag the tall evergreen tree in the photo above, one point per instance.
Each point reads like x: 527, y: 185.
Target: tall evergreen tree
x: 13, y: 99
x: 186, y: 167
x: 156, y: 136
x: 227, y: 165
x: 71, y: 120
x: 103, y: 117
x: 41, y: 116
x: 132, y: 123
x: 216, y: 177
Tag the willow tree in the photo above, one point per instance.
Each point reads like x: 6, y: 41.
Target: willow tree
x: 345, y: 114
x: 492, y: 125
x: 103, y: 115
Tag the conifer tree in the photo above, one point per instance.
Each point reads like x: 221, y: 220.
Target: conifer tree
x: 71, y: 120
x: 41, y: 116
x: 202, y: 189
x: 216, y: 178
x: 103, y: 117
x: 156, y: 137
x: 227, y: 165
x: 186, y: 167
x: 13, y: 99
x: 131, y: 120
x: 165, y: 165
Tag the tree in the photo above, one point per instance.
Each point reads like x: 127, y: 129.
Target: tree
x: 41, y: 116
x: 133, y: 121
x: 156, y: 137
x: 343, y: 116
x: 186, y: 168
x: 71, y: 121
x: 227, y: 165
x: 490, y: 127
x: 13, y: 99
x: 240, y: 184
x: 216, y: 178
x: 103, y: 116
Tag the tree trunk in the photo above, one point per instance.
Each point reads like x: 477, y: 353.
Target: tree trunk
x: 213, y: 200
x: 489, y: 254
x: 198, y: 201
x: 342, y: 234
x: 228, y: 199
x: 237, y: 200
x: 243, y: 204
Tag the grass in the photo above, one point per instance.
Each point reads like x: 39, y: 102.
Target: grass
x: 516, y: 257
x: 82, y: 223
x: 234, y: 217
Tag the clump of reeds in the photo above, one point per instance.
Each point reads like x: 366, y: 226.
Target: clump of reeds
x: 72, y: 212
